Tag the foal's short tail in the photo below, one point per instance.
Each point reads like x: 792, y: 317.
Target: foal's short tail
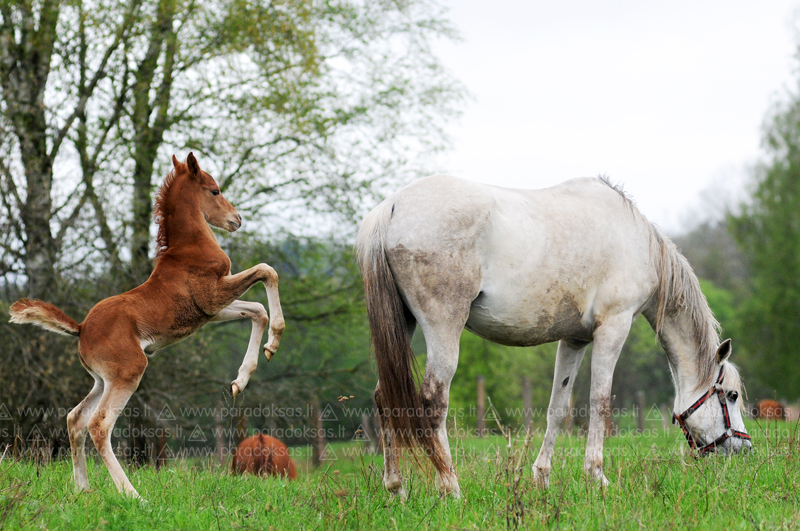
x: 398, y: 399
x: 45, y: 315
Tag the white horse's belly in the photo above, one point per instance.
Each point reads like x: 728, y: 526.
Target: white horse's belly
x: 528, y: 320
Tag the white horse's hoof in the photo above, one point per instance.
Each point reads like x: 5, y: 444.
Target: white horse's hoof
x: 601, y: 480
x: 268, y: 352
x: 541, y: 477
x: 235, y: 390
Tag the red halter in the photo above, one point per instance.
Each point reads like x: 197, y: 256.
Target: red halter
x: 716, y: 389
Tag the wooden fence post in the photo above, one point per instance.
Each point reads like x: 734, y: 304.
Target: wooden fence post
x: 640, y: 413
x: 527, y: 402
x: 481, y: 412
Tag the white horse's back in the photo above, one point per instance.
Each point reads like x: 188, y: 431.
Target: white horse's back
x: 549, y: 263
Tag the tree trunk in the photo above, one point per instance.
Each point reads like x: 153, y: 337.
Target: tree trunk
x: 25, y: 52
x: 150, y: 122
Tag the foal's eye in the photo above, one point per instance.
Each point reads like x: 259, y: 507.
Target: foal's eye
x: 214, y: 192
x: 733, y: 396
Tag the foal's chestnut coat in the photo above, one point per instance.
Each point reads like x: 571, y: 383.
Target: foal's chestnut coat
x: 190, y: 286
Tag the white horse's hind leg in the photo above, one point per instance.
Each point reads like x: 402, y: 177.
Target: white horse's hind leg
x: 392, y: 479
x: 78, y: 427
x: 439, y: 371
x: 608, y: 341
x: 568, y: 361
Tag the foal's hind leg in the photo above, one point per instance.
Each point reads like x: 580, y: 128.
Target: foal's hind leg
x: 121, y: 377
x: 78, y: 427
x: 608, y: 341
x: 568, y: 361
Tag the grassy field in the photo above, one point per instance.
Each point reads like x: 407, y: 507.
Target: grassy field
x: 654, y: 485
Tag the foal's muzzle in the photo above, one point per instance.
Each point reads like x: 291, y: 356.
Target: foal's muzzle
x: 235, y: 225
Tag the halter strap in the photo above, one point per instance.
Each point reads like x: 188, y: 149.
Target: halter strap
x: 716, y: 389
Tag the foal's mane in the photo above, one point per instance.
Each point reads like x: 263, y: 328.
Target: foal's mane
x: 159, y: 214
x: 679, y: 291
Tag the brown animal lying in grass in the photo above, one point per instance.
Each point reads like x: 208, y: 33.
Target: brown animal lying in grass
x: 770, y: 409
x: 263, y: 455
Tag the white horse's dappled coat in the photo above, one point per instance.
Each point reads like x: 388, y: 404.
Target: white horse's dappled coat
x: 575, y: 263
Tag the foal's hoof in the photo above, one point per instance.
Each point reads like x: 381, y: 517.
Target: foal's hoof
x: 235, y: 389
x: 268, y: 352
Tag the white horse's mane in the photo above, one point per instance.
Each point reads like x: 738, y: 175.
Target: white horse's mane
x: 679, y: 291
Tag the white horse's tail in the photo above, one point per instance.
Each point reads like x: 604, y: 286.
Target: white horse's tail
x: 44, y: 315
x: 397, y: 397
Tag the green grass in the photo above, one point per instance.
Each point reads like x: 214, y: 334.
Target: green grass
x: 654, y: 485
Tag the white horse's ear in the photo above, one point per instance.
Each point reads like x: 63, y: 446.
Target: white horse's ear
x: 724, y: 351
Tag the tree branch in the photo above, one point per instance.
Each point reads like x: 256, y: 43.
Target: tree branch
x: 120, y: 35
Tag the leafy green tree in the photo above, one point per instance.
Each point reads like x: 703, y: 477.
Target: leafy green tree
x: 303, y: 111
x: 767, y: 227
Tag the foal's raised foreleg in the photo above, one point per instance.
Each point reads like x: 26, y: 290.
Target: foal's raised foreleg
x: 232, y: 287
x: 568, y: 361
x: 255, y: 312
x: 608, y: 341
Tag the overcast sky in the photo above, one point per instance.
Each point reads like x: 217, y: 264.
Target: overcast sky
x: 666, y: 98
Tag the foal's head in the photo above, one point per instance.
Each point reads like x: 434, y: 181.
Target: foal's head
x: 215, y: 208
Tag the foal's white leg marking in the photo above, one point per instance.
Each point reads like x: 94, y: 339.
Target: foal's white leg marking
x: 254, y: 311
x: 115, y: 396
x: 78, y: 427
x: 275, y: 313
x: 608, y: 341
x: 568, y: 361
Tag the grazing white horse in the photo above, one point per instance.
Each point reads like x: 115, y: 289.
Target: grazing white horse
x: 575, y: 263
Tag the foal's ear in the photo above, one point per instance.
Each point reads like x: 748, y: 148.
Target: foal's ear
x: 175, y: 162
x: 724, y: 351
x: 191, y: 162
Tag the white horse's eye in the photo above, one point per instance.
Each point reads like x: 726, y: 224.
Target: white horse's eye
x: 733, y: 395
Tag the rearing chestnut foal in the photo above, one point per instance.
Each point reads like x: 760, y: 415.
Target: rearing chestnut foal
x: 190, y: 286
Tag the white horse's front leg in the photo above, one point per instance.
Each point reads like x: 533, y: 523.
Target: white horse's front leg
x: 254, y: 311
x: 568, y: 361
x: 608, y: 341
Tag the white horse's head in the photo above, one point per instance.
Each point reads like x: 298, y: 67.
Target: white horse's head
x: 712, y: 421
